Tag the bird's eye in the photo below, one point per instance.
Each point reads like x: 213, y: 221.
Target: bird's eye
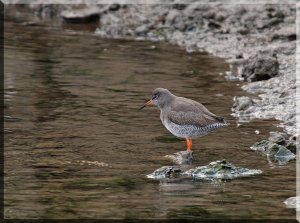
x: 155, y: 96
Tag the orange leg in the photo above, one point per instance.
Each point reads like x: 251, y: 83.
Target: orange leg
x: 189, y: 144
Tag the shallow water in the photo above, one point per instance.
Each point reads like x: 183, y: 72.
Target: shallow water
x: 77, y: 147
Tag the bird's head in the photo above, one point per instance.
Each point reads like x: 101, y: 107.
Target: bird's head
x: 160, y: 97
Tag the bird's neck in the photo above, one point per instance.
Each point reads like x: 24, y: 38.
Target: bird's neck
x: 168, y: 100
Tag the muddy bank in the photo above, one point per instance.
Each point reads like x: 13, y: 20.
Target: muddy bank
x: 259, y: 42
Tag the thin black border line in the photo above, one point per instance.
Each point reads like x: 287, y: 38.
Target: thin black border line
x: 183, y: 220
x: 179, y: 220
x: 2, y: 110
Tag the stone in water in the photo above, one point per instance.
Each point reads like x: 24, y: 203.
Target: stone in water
x: 221, y: 170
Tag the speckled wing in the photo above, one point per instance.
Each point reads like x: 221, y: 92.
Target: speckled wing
x: 188, y: 112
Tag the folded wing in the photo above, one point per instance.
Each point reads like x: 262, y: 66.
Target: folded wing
x: 189, y: 112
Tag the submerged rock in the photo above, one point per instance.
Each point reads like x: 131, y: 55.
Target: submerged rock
x: 221, y: 170
x: 182, y: 157
x: 274, y: 151
x: 165, y: 172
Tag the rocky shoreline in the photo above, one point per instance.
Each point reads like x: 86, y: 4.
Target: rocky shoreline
x: 258, y: 41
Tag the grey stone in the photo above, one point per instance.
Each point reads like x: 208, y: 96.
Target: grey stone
x: 285, y: 33
x: 47, y: 10
x: 261, y: 146
x: 221, y: 170
x: 274, y: 151
x: 291, y: 143
x: 278, y: 137
x: 114, y: 7
x: 283, y: 155
x: 142, y: 30
x: 260, y: 67
x: 84, y: 15
x: 170, y: 18
x: 243, y: 31
x: 217, y: 170
x: 242, y: 103
x: 165, y: 172
x: 292, y: 202
x: 179, y: 6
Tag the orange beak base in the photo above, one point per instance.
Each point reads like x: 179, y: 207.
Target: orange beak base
x: 148, y: 103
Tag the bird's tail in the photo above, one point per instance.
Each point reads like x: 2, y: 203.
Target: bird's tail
x: 222, y: 120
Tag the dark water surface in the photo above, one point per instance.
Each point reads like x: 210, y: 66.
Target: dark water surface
x: 77, y: 147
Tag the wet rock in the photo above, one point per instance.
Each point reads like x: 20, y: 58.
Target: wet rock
x: 285, y: 33
x: 221, y: 16
x: 242, y: 103
x: 179, y: 6
x: 291, y: 143
x: 165, y: 172
x: 278, y: 137
x: 142, y: 30
x: 237, y: 64
x: 232, y: 76
x: 182, y: 157
x: 85, y: 15
x: 284, y: 139
x: 272, y: 22
x: 213, y: 24
x: 210, y: 14
x: 114, y: 7
x: 218, y: 170
x: 221, y: 170
x: 243, y: 31
x: 274, y: 12
x: 286, y: 50
x: 292, y: 202
x: 239, y: 56
x: 46, y: 10
x: 274, y: 151
x: 192, y: 10
x: 180, y: 25
x: 260, y: 67
x: 261, y: 146
x: 170, y: 18
x: 283, y: 155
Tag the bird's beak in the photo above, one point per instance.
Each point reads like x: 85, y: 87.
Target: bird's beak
x: 148, y: 103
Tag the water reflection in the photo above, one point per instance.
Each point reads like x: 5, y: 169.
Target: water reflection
x: 71, y: 104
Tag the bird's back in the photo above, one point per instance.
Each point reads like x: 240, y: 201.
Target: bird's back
x: 192, y: 112
x: 188, y: 118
